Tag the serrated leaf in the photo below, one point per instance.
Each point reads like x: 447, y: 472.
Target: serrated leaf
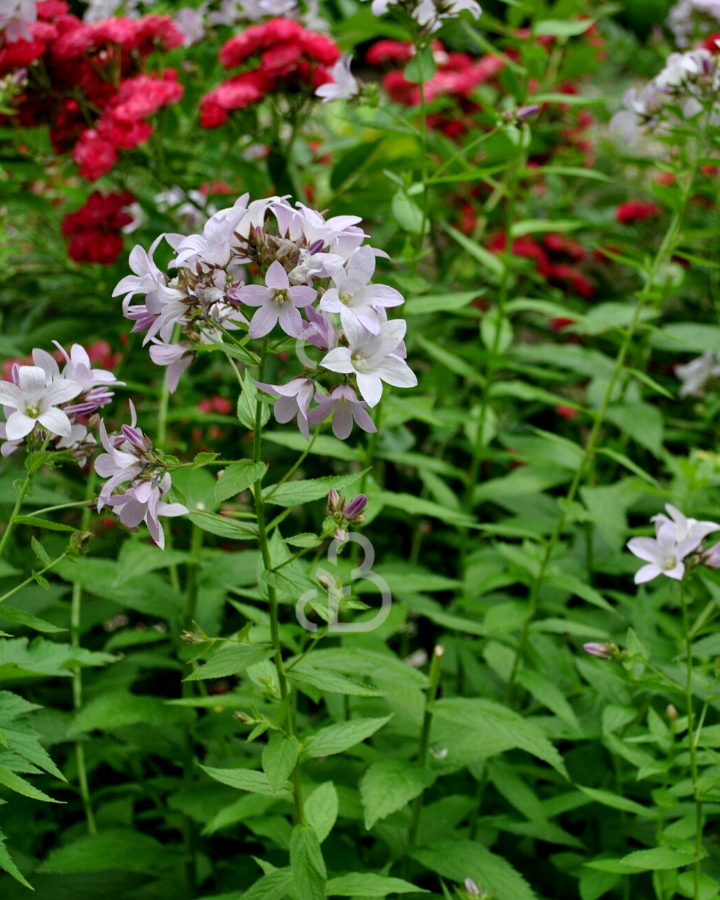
x: 368, y: 884
x: 115, y: 848
x: 117, y: 709
x: 36, y: 522
x: 274, y: 886
x: 331, y: 682
x: 237, y: 478
x: 657, y: 858
x: 389, y: 785
x: 430, y: 303
x: 40, y: 552
x: 459, y: 860
x: 341, y: 736
x: 296, y: 493
x: 8, y: 865
x: 307, y: 863
x: 607, y: 798
x: 20, y: 786
x: 321, y: 809
x: 305, y: 540
x: 204, y: 459
x: 20, y: 617
x: 230, y: 660
x: 279, y: 757
x: 244, y: 780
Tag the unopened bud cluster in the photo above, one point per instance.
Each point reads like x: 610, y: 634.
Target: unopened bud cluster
x: 343, y: 514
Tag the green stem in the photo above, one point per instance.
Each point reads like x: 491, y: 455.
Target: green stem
x: 425, y: 738
x: 75, y: 622
x: 692, y: 746
x: 297, y: 463
x: 189, y: 832
x: 18, y: 505
x: 423, y: 161
x: 272, y: 595
x: 30, y: 580
x: 664, y: 251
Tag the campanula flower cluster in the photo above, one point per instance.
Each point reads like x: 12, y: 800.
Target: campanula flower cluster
x: 315, y: 286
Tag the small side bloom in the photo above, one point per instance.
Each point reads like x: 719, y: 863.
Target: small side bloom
x: 343, y: 85
x: 345, y: 408
x: 293, y: 400
x: 663, y: 554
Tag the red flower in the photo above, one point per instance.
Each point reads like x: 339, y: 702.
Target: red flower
x: 570, y: 274
x: 389, y: 51
x: 19, y: 54
x: 211, y: 115
x: 558, y: 243
x: 94, y: 155
x: 280, y: 60
x: 557, y: 324
x: 95, y: 228
x: 636, y: 211
x: 320, y: 48
x: 567, y: 412
x: 51, y: 9
x: 144, y: 95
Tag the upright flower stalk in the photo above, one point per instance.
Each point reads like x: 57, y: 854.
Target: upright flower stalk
x: 663, y: 253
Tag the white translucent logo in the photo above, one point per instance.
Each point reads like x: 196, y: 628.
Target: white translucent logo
x: 337, y: 594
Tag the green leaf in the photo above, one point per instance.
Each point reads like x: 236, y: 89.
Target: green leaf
x: 607, y: 798
x: 686, y: 337
x: 502, y: 725
x: 274, y: 886
x: 36, y: 522
x: 279, y: 758
x: 114, y: 848
x: 331, y: 682
x: 297, y: 493
x: 341, y: 736
x: 40, y: 552
x: 389, y: 785
x: 204, y: 459
x: 431, y: 303
x: 640, y: 421
x: 629, y: 464
x: 35, y: 460
x: 20, y: 786
x: 20, y: 617
x: 241, y: 353
x: 321, y: 809
x: 421, y: 67
x: 352, y: 162
x: 534, y: 226
x: 368, y: 884
x: 455, y: 363
x: 549, y: 695
x: 417, y: 506
x: 323, y: 445
x: 563, y: 27
x: 230, y: 660
x: 657, y: 858
x: 489, y: 333
x: 138, y: 558
x: 491, y: 262
x: 237, y: 478
x: 459, y: 860
x: 307, y: 863
x: 247, y: 404
x: 224, y: 526
x: 8, y: 865
x: 305, y: 540
x: 408, y: 214
x: 567, y: 582
x: 245, y: 780
x: 117, y: 709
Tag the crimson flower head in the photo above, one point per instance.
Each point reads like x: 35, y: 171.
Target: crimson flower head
x: 637, y: 211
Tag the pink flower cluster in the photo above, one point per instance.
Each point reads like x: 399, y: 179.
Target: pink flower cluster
x: 282, y: 54
x: 95, y: 69
x: 95, y: 229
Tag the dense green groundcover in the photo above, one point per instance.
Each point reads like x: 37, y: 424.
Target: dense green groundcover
x: 168, y: 728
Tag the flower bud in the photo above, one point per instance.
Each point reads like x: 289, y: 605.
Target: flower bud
x: 341, y: 535
x: 355, y: 508
x: 523, y: 113
x: 335, y: 501
x: 243, y: 717
x: 601, y: 651
x: 192, y: 637
x: 671, y: 713
x: 472, y: 889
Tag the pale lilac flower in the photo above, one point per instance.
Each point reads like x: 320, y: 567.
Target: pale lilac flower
x: 664, y: 554
x: 15, y: 16
x: 189, y: 22
x: 278, y: 302
x: 472, y: 889
x: 228, y: 13
x: 687, y: 16
x: 139, y: 217
x: 345, y: 408
x: 124, y: 459
x: 601, y: 651
x: 684, y: 528
x: 640, y: 109
x: 343, y: 86
x: 213, y: 248
x: 697, y: 372
x: 711, y: 557
x: 355, y: 297
x: 429, y: 14
x: 8, y: 447
x: 177, y: 358
x: 371, y: 357
x: 146, y: 275
x: 319, y: 330
x: 143, y: 504
x: 35, y: 400
x: 294, y: 400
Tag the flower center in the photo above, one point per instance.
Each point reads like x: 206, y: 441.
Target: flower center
x: 346, y: 297
x: 281, y: 296
x: 359, y: 361
x: 32, y: 410
x: 669, y: 563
